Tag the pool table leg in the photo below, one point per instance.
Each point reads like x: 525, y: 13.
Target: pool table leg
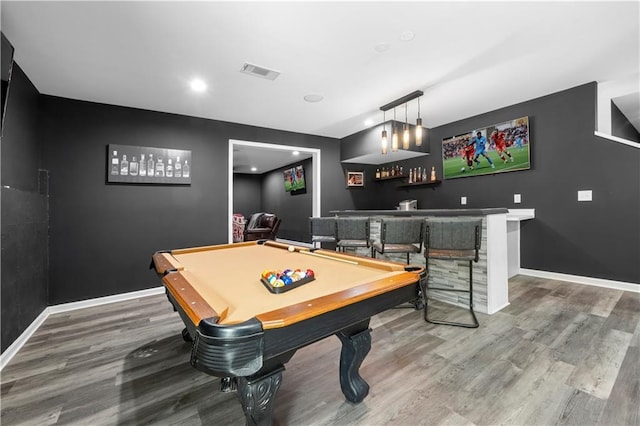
x: 257, y: 395
x: 356, y: 343
x: 186, y: 336
x: 228, y: 384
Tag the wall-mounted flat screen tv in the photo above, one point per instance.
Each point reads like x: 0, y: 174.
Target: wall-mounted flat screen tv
x: 294, y: 179
x: 502, y: 147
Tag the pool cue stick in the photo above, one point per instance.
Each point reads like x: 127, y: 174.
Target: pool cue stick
x: 327, y: 257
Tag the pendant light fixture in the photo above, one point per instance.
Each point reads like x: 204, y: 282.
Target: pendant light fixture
x: 418, y: 127
x: 406, y: 135
x: 385, y: 141
x: 394, y: 134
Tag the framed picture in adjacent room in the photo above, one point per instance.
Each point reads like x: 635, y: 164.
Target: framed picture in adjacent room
x: 148, y: 165
x: 502, y: 147
x: 294, y: 180
x: 355, y: 179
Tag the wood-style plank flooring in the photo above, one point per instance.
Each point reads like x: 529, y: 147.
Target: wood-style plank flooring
x: 561, y: 353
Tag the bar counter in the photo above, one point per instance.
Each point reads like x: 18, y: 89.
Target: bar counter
x: 490, y: 274
x: 421, y: 212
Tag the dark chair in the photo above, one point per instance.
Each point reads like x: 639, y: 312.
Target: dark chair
x: 352, y: 232
x: 322, y: 230
x: 399, y: 235
x: 452, y: 239
x: 262, y: 227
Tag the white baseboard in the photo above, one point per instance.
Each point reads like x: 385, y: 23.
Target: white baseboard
x: 65, y: 307
x: 598, y: 282
x: 12, y: 350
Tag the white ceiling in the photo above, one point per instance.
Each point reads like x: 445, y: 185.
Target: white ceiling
x: 468, y: 57
x: 264, y: 159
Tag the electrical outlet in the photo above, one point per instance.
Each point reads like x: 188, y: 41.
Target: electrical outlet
x: 517, y: 199
x: 586, y: 195
x: 463, y: 200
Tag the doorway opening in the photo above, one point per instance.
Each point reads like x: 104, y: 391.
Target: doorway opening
x: 317, y: 181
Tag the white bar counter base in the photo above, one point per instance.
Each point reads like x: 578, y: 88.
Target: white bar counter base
x: 497, y: 270
x: 514, y: 217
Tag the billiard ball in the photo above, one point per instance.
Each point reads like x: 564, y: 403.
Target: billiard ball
x: 291, y: 249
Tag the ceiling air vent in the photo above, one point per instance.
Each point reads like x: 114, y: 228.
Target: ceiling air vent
x: 257, y: 71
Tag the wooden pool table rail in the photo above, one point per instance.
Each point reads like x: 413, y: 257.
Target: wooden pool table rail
x: 304, y: 310
x: 361, y: 260
x: 194, y: 306
x: 164, y: 262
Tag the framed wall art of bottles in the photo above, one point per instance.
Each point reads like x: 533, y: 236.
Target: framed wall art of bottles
x: 142, y: 164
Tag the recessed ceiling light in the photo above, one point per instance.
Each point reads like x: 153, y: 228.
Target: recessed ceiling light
x: 368, y: 122
x: 313, y: 98
x: 198, y: 85
x: 382, y: 47
x: 254, y: 169
x: 296, y: 152
x: 407, y: 35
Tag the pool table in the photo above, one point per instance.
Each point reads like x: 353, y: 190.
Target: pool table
x: 241, y: 331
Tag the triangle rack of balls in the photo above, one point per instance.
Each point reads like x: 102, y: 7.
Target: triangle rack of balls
x: 282, y: 281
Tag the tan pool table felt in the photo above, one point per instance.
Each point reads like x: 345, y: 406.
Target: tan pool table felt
x: 228, y: 277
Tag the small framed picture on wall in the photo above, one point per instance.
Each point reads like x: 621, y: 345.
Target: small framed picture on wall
x: 355, y: 179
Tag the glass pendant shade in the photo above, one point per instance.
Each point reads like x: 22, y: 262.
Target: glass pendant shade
x: 419, y: 132
x: 405, y: 138
x: 394, y: 140
x: 385, y: 142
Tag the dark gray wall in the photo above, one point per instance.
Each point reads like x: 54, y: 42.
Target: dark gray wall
x: 598, y: 239
x: 102, y: 236
x: 620, y: 125
x: 24, y: 212
x: 247, y: 191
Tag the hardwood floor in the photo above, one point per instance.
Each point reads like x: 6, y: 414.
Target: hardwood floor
x: 561, y: 353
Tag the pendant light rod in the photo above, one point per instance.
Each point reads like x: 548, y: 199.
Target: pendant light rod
x: 402, y: 100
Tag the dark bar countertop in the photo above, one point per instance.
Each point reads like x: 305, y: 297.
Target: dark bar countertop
x: 421, y: 212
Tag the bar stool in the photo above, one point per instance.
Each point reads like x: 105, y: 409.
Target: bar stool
x: 322, y: 230
x: 399, y: 235
x: 352, y: 232
x: 452, y: 239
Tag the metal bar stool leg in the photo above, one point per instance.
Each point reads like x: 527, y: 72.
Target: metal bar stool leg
x: 474, y: 324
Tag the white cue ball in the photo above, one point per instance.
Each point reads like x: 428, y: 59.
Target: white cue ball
x: 291, y: 249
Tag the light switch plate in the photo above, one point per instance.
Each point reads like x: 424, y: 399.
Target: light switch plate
x: 517, y: 199
x: 463, y: 200
x: 586, y: 195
